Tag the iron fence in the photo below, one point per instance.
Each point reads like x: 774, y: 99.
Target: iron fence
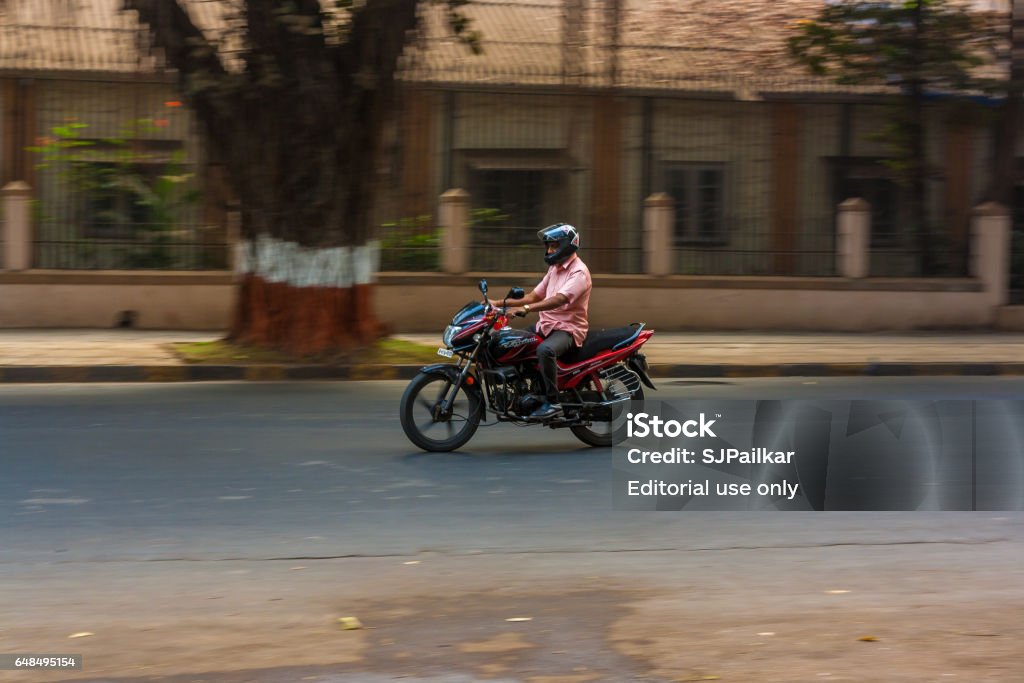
x: 573, y: 112
x: 1017, y: 266
x: 138, y: 247
x: 1017, y: 247
x: 117, y: 183
x: 755, y: 186
x: 410, y: 245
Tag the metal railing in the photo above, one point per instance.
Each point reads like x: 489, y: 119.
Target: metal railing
x: 410, y: 245
x: 1017, y: 263
x: 135, y: 247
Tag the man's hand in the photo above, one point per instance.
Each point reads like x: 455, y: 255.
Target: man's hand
x: 516, y: 312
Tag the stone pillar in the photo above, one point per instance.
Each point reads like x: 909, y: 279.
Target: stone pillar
x: 17, y: 236
x: 454, y: 215
x: 659, y: 222
x: 854, y: 233
x: 990, y: 250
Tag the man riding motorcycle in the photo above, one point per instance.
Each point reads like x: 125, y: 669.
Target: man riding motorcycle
x: 561, y: 299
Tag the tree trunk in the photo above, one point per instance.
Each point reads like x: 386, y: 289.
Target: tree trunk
x: 298, y: 128
x: 307, y: 301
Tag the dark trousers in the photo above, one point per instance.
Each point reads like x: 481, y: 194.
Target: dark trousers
x: 555, y: 345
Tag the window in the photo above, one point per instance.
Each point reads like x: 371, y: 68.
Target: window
x: 869, y: 179
x: 517, y: 194
x: 517, y: 188
x: 699, y: 194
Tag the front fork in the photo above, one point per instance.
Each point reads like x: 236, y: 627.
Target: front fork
x: 443, y: 409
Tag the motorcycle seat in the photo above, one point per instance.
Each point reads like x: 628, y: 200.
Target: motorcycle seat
x: 601, y: 340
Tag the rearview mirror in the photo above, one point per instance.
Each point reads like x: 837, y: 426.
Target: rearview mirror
x: 483, y: 287
x: 515, y: 293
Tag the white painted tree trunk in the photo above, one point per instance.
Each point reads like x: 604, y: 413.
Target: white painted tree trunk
x: 306, y: 300
x: 281, y: 262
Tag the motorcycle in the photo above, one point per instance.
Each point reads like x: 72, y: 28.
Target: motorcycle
x: 497, y: 371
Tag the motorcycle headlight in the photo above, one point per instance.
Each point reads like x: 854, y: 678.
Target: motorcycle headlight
x: 449, y: 334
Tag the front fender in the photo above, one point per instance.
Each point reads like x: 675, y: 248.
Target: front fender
x: 452, y: 372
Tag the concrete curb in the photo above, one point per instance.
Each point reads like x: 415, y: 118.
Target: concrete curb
x: 14, y: 374
x: 922, y: 369
x: 201, y: 373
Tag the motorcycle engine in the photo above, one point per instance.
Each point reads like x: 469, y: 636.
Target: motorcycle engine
x: 504, y: 397
x: 515, y: 397
x: 528, y: 397
x: 527, y: 403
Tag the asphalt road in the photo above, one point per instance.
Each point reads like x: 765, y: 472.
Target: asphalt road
x: 200, y: 530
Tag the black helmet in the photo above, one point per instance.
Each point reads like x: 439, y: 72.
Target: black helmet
x: 565, y: 236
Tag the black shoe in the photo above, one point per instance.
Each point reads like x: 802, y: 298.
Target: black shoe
x: 546, y: 411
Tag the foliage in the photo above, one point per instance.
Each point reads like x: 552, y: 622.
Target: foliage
x: 918, y: 46
x: 414, y: 244
x: 886, y: 42
x: 487, y: 217
x: 294, y: 96
x: 923, y: 48
x: 120, y: 190
x: 390, y: 351
x: 410, y: 244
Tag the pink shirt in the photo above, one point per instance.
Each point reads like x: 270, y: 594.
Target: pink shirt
x: 571, y: 278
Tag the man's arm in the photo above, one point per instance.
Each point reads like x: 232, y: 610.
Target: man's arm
x: 537, y: 295
x: 547, y: 304
x: 531, y: 298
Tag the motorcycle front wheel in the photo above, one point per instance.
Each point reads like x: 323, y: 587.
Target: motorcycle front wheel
x: 431, y: 430
x: 601, y: 434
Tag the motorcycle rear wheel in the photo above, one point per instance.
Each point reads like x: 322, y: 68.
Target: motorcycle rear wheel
x: 608, y: 433
x: 416, y: 413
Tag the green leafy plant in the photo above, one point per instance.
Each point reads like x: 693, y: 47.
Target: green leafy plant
x: 414, y: 244
x: 410, y: 244
x: 119, y: 189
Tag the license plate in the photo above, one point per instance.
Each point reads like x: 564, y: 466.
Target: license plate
x: 445, y: 352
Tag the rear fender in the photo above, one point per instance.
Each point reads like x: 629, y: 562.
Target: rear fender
x: 638, y: 364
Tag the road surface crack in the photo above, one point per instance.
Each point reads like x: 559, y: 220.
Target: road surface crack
x: 542, y: 551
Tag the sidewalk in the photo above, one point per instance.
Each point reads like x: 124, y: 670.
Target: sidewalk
x: 143, y: 355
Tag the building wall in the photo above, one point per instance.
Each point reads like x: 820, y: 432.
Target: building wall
x: 426, y: 303
x: 752, y: 142
x: 738, y: 135
x: 175, y: 301
x: 683, y: 303
x: 552, y: 134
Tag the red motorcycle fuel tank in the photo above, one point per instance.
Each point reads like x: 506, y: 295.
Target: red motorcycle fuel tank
x: 512, y: 346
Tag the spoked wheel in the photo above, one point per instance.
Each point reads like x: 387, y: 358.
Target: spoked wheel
x: 604, y: 433
x: 430, y: 428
